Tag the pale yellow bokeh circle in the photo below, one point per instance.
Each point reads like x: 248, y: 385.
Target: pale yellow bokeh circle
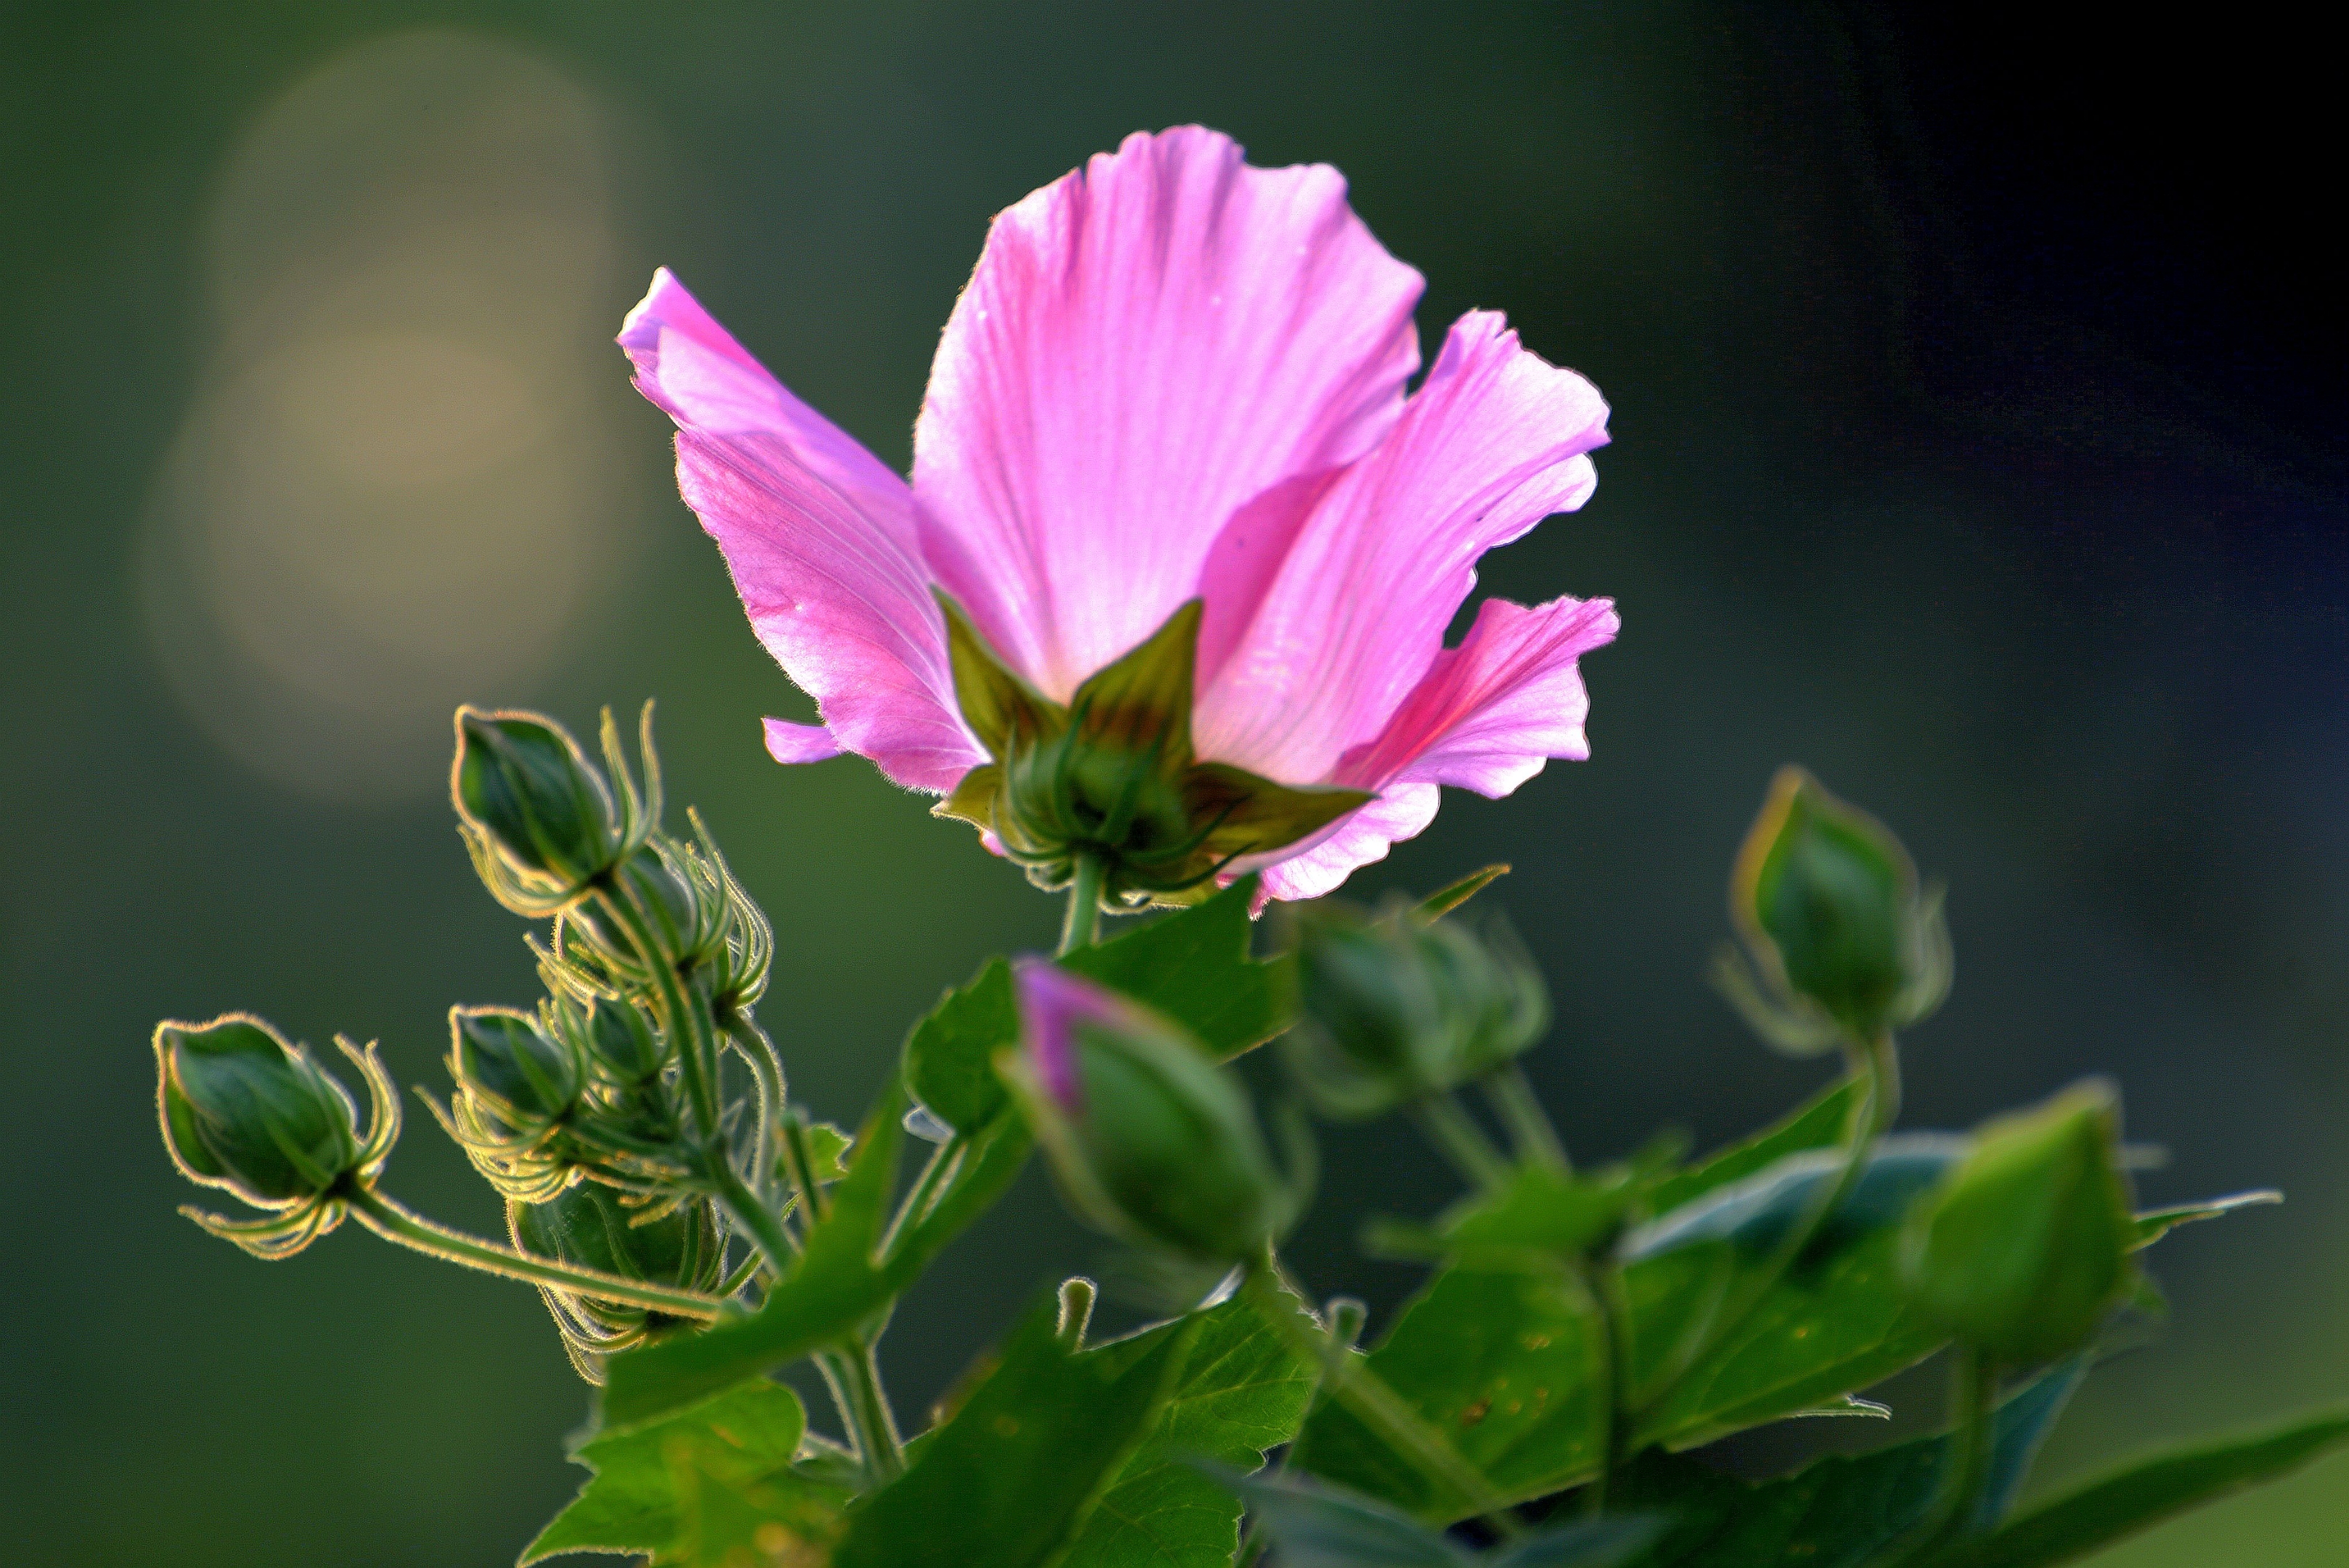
x: 394, y: 488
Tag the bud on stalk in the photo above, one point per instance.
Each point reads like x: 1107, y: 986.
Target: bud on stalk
x: 1402, y: 1005
x: 2022, y: 1249
x: 541, y: 822
x: 1151, y: 1140
x: 1827, y: 903
x: 589, y: 1225
x: 246, y: 1112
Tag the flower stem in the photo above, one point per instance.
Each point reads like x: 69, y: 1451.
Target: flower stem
x: 1370, y: 1401
x: 1531, y: 1132
x: 1875, y: 1067
x: 394, y: 1222
x: 1081, y: 927
x: 1609, y: 1374
x: 1973, y: 1403
x: 855, y: 1377
x: 1459, y: 1139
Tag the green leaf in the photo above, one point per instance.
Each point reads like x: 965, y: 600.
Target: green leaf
x: 1010, y: 1480
x: 1194, y: 967
x: 1444, y: 900
x: 1756, y: 1212
x: 1837, y: 1512
x: 1497, y: 1361
x: 729, y: 1523
x: 950, y: 1054
x: 2144, y: 1494
x: 1243, y: 1390
x: 2156, y: 1223
x: 1500, y: 1360
x: 1817, y: 1123
x: 1584, y: 1543
x: 630, y: 1503
x: 844, y: 1276
x: 1314, y: 1525
x: 1542, y: 1217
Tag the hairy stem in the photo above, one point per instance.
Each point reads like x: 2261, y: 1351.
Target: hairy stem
x: 1531, y: 1132
x: 395, y: 1222
x: 854, y: 1376
x: 1459, y: 1139
x: 1081, y: 927
x: 1973, y: 1403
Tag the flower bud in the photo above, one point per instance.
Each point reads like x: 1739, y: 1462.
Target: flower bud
x: 1402, y: 1005
x: 505, y: 1064
x: 243, y: 1110
x: 1828, y: 902
x: 539, y: 819
x: 2022, y: 1249
x: 1151, y: 1140
x: 590, y: 1225
x: 617, y: 1037
x: 684, y: 906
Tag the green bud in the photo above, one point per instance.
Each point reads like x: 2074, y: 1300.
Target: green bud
x: 1151, y: 1140
x: 539, y: 819
x: 618, y: 1038
x: 1112, y: 776
x: 1402, y: 1005
x: 1828, y: 902
x: 2022, y: 1249
x: 590, y: 1225
x: 243, y: 1110
x: 505, y: 1064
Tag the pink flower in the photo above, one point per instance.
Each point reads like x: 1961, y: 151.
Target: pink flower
x: 1172, y: 377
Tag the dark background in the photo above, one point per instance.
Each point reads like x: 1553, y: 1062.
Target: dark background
x: 1977, y: 406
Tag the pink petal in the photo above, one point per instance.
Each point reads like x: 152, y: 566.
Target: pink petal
x: 1147, y: 345
x: 1490, y: 712
x: 790, y: 743
x: 1489, y: 446
x: 820, y: 537
x: 1403, y: 811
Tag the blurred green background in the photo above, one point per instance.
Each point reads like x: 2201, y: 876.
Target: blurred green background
x: 1977, y: 424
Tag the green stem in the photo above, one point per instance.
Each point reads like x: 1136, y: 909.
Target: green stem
x: 1974, y: 1400
x: 1877, y: 1068
x: 1459, y: 1139
x: 394, y: 1222
x: 1531, y: 1133
x: 865, y: 1409
x: 695, y: 1064
x: 1610, y: 1373
x: 1081, y: 927
x: 1372, y: 1402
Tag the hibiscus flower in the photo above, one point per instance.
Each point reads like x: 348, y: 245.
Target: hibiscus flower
x: 1165, y: 597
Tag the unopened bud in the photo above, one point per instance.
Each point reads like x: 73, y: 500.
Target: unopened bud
x: 1150, y: 1138
x: 1401, y: 1005
x: 2022, y: 1250
x: 505, y: 1064
x: 1828, y: 902
x: 592, y: 1226
x: 618, y: 1038
x: 245, y: 1111
x: 539, y: 819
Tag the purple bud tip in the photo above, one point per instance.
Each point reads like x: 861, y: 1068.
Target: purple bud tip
x: 1052, y: 1002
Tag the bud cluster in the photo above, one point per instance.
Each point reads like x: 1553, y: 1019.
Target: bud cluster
x: 601, y: 1114
x: 1400, y: 1005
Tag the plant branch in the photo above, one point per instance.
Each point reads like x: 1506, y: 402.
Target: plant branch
x: 394, y: 1222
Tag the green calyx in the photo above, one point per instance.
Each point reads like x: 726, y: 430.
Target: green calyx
x: 1403, y: 1004
x: 594, y: 1226
x: 2022, y: 1250
x: 1113, y: 776
x: 1162, y: 1148
x: 246, y: 1112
